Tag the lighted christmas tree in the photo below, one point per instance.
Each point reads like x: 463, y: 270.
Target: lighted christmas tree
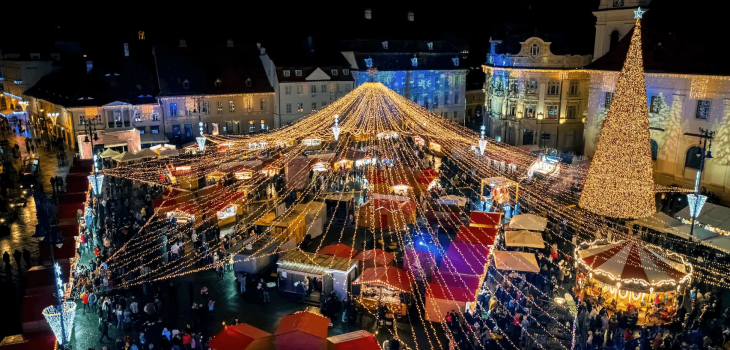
x: 620, y: 181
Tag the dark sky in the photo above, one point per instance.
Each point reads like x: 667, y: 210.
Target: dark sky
x: 275, y: 21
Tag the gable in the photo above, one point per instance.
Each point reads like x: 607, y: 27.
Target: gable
x: 117, y: 103
x: 318, y: 74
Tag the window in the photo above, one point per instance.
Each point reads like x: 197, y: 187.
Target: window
x: 534, y: 50
x: 154, y: 129
x: 456, y: 98
x: 553, y: 88
x: 287, y: 90
x: 262, y: 104
x: 532, y: 86
x: 514, y: 86
x: 186, y: 84
x: 530, y: 111
x: 571, y: 112
x: 300, y: 107
x: 206, y: 107
x: 552, y: 112
x: 446, y: 99
x: 288, y: 107
x: 287, y: 73
x: 323, y: 88
x: 263, y: 125
x: 173, y: 109
x: 219, y: 105
x: 573, y: 87
x: 141, y: 131
x: 324, y: 104
x: 251, y: 127
x: 607, y: 102
x: 231, y: 107
x: 300, y: 89
x: 176, y: 130
x: 512, y: 109
x: 654, y: 104
x: 615, y: 36
x: 248, y: 82
x: 334, y: 72
x: 337, y: 88
x: 314, y: 106
x: 346, y: 71
x: 298, y: 72
x: 217, y: 83
x: 654, y: 149
x: 528, y: 137
x: 313, y: 89
x: 82, y: 120
x: 693, y: 159
x: 155, y: 117
x: 618, y: 3
x: 703, y: 109
x: 456, y: 114
x: 188, y: 131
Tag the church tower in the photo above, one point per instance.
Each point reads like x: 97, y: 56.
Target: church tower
x: 614, y: 19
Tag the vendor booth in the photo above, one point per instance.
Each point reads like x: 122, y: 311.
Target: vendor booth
x: 316, y: 217
x: 526, y: 239
x: 499, y: 193
x: 108, y: 153
x: 388, y: 285
x: 339, y: 205
x: 466, y: 258
x: 515, y: 261
x: 147, y: 154
x: 357, y: 340
x: 630, y: 273
x: 419, y: 263
x: 227, y: 205
x: 216, y: 177
x: 312, y: 144
x: 318, y: 275
x: 339, y: 250
x: 242, y: 337
x: 374, y: 257
x: 545, y: 165
x: 126, y: 157
x: 387, y: 135
x: 435, y: 147
x: 441, y: 299
x: 292, y: 225
x: 387, y: 215
x: 530, y: 222
x: 476, y: 235
x: 350, y: 159
x: 302, y: 331
x: 182, y: 175
x: 254, y: 255
x: 485, y: 219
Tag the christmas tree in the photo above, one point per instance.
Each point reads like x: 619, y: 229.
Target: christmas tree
x: 620, y: 181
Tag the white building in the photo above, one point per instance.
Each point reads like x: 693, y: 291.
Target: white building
x: 685, y: 92
x: 614, y: 19
x: 305, y: 82
x: 534, y: 98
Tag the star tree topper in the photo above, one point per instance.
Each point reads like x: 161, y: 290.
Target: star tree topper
x: 639, y: 13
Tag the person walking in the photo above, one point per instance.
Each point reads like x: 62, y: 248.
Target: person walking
x: 104, y: 330
x: 85, y: 301
x: 242, y: 283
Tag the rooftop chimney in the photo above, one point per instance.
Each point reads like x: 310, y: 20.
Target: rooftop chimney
x: 368, y: 14
x: 89, y: 66
x: 229, y: 43
x: 183, y: 43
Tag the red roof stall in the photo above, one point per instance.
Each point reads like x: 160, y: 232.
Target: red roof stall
x: 302, y: 331
x: 357, y: 340
x: 32, y: 312
x: 466, y: 258
x: 476, y: 235
x: 386, y: 276
x: 484, y: 219
x: 374, y: 257
x: 68, y: 230
x: 419, y: 262
x: 63, y: 255
x: 441, y: 299
x: 76, y: 183
x: 242, y: 337
x: 32, y: 342
x: 470, y: 282
x: 69, y: 210
x: 79, y: 197
x: 339, y: 250
x: 39, y: 277
x: 81, y: 167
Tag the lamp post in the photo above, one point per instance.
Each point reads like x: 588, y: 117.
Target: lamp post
x: 696, y: 200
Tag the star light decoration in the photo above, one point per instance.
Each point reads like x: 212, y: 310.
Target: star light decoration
x: 482, y: 141
x: 55, y: 316
x: 639, y: 13
x: 696, y: 202
x: 336, y: 128
x: 201, y: 143
x: 96, y: 182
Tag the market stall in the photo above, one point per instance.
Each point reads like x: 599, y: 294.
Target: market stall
x: 169, y: 153
x: 316, y: 217
x: 374, y: 257
x: 485, y: 219
x: 319, y: 274
x: 357, y: 340
x: 182, y: 175
x: 349, y: 159
x: 466, y: 258
x: 388, y: 285
x: 530, y: 222
x: 339, y: 250
x: 108, y: 153
x: 476, y: 235
x: 628, y: 273
x: 528, y: 239
x: 312, y: 144
x: 387, y: 215
x: 216, y: 177
x: 545, y: 165
x: 338, y: 205
x: 499, y: 188
x: 441, y: 299
x: 254, y: 255
x: 227, y: 205
x: 428, y: 179
x: 242, y: 337
x: 515, y: 261
x: 125, y: 157
x: 146, y: 154
x: 302, y: 331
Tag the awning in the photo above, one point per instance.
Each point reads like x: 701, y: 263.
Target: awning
x: 524, y: 239
x: 515, y: 261
x: 530, y: 222
x: 108, y: 153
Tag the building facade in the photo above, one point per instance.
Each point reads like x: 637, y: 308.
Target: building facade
x: 21, y: 72
x: 614, y: 19
x: 431, y: 74
x: 305, y: 82
x: 223, y: 88
x: 533, y: 99
x: 474, y: 98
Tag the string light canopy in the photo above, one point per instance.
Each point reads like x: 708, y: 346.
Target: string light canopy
x: 620, y: 181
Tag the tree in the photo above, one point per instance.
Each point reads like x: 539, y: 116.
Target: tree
x: 721, y: 141
x: 659, y: 118
x: 620, y: 181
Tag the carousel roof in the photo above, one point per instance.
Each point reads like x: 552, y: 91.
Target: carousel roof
x: 635, y: 263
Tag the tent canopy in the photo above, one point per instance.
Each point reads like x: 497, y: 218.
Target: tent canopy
x: 386, y: 276
x: 711, y: 214
x: 634, y: 263
x: 169, y: 153
x: 125, y: 157
x: 357, y: 340
x: 339, y: 250
x: 524, y: 239
x: 147, y: 153
x: 380, y: 256
x: 238, y: 337
x: 109, y: 153
x: 476, y: 235
x: 515, y: 261
x: 659, y: 222
x: 530, y: 222
x: 305, y: 322
x: 440, y: 291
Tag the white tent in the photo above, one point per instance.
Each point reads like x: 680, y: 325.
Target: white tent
x: 109, y: 153
x: 530, y: 222
x: 515, y: 261
x: 452, y: 200
x: 699, y: 233
x: 659, y: 222
x: 718, y: 242
x: 147, y: 153
x: 125, y: 157
x: 712, y: 214
x: 169, y: 153
x: 523, y: 239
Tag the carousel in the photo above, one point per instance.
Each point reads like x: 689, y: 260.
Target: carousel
x: 640, y: 279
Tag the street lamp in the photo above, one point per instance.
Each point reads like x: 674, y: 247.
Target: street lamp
x: 696, y: 200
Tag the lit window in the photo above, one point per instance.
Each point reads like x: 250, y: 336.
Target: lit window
x: 219, y: 105
x: 573, y: 87
x: 251, y: 127
x: 262, y: 104
x: 173, y: 109
x: 298, y: 72
x: 206, y: 107
x: 552, y: 112
x: 231, y: 107
x: 703, y: 109
x: 334, y: 72
x: 553, y: 88
x: 263, y: 125
x: 607, y: 102
x: 287, y: 73
x: 300, y: 107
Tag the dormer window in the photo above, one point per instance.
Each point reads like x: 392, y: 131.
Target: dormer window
x: 35, y: 56
x: 334, y: 72
x: 534, y: 50
x: 287, y: 73
x: 430, y: 46
x: 369, y: 62
x: 140, y: 35
x: 217, y: 83
x: 346, y: 71
x: 456, y: 61
x: 414, y: 61
x: 248, y: 82
x: 186, y: 84
x: 385, y: 45
x: 618, y: 3
x: 298, y: 72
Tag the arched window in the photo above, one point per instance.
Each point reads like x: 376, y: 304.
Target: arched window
x: 614, y: 39
x: 654, y: 149
x: 693, y: 158
x: 534, y: 50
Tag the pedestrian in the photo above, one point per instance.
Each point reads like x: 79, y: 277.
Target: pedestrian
x: 242, y: 283
x: 211, y: 306
x: 85, y: 301
x: 104, y: 330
